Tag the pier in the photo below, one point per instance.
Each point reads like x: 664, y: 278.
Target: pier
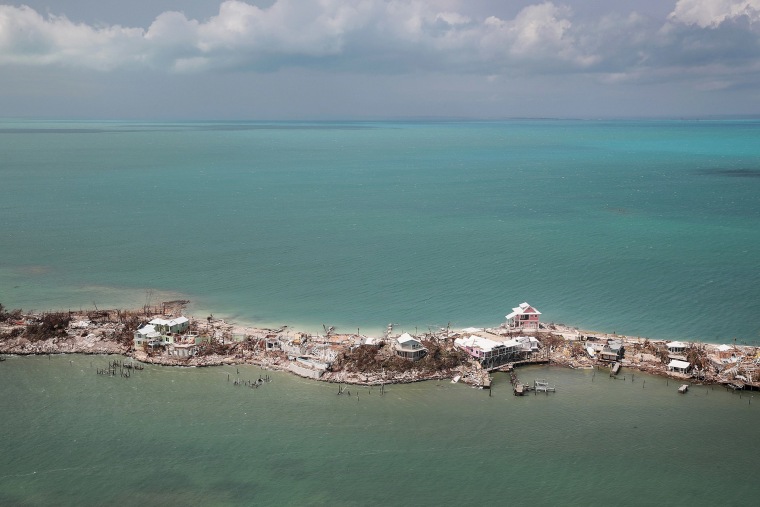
x: 522, y: 362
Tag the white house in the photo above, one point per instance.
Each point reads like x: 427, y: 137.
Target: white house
x: 175, y: 325
x: 676, y: 347
x: 145, y: 334
x: 528, y: 343
x: 160, y: 331
x: 409, y: 347
x: 494, y: 352
x: 678, y: 366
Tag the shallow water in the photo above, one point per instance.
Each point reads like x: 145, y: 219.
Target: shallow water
x: 188, y: 436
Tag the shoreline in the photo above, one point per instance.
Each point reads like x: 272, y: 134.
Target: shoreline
x: 104, y: 332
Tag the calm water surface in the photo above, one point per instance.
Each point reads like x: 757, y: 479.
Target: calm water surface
x: 170, y: 436
x: 648, y: 228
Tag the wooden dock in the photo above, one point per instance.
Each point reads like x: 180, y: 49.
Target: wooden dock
x: 522, y: 362
x: 683, y: 388
x: 614, y: 369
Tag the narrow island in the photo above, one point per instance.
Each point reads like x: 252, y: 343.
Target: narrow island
x: 164, y: 335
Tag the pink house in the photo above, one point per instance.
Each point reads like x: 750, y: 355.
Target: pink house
x: 523, y: 317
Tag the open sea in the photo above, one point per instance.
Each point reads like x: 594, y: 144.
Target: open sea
x: 647, y: 228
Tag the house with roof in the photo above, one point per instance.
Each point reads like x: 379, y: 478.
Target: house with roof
x: 678, y: 366
x: 160, y: 332
x: 612, y: 351
x: 167, y: 326
x: 409, y: 347
x: 482, y: 349
x: 145, y: 334
x: 492, y: 352
x: 676, y: 347
x: 523, y: 316
x: 528, y: 344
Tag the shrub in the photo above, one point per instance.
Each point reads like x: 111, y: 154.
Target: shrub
x: 50, y: 325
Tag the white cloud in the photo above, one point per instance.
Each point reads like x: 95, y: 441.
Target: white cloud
x: 541, y: 36
x: 541, y: 28
x: 711, y: 13
x: 396, y: 36
x: 28, y: 38
x: 244, y: 35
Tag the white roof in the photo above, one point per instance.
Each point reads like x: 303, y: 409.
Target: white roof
x: 724, y: 347
x: 463, y: 342
x: 406, y: 338
x: 678, y: 345
x: 172, y: 322
x: 521, y: 309
x: 527, y: 341
x: 473, y: 341
x: 675, y: 363
x: 148, y: 331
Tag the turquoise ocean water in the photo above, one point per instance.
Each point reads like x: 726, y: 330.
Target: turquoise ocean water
x: 641, y: 227
x: 648, y: 228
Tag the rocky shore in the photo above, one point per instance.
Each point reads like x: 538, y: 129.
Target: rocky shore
x: 357, y: 359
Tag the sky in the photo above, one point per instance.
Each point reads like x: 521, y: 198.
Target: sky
x: 378, y: 59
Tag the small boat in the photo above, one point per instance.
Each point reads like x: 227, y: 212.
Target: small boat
x: 456, y: 379
x: 683, y: 388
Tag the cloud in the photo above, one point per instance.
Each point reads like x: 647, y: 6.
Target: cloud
x: 716, y: 37
x: 28, y: 38
x: 392, y: 33
x: 711, y: 13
